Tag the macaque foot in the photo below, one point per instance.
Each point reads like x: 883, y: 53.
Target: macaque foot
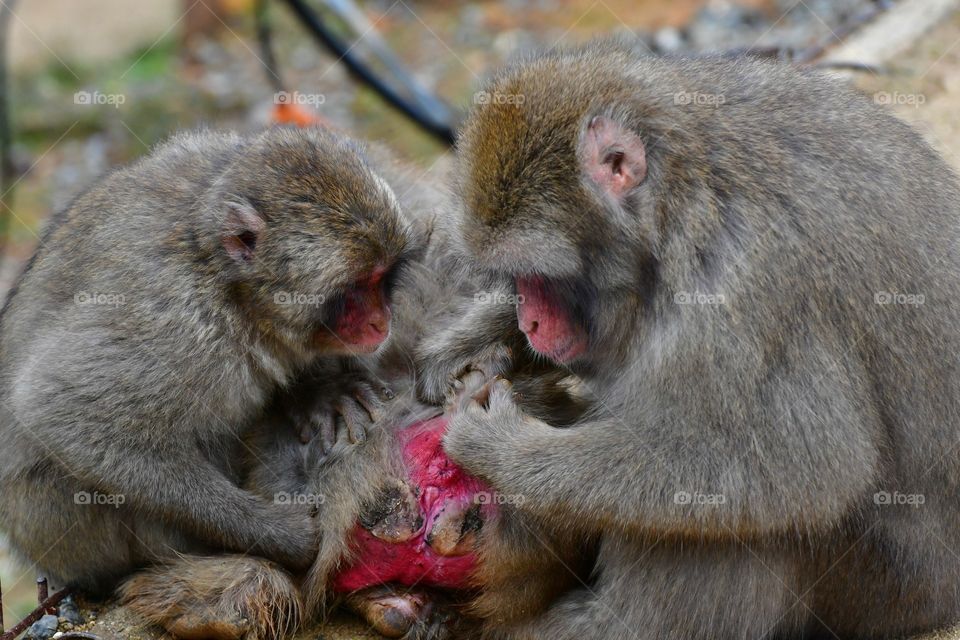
x: 423, y: 530
x: 394, y: 516
x: 398, y: 613
x: 217, y: 598
x: 453, y: 531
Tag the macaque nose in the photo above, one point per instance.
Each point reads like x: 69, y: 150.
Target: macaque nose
x: 529, y: 326
x: 380, y: 326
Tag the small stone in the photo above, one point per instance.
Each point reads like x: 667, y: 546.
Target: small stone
x: 668, y: 40
x: 42, y: 629
x: 70, y: 612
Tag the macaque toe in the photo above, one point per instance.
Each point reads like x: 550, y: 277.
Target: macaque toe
x: 391, y: 613
x: 394, y: 516
x: 453, y: 531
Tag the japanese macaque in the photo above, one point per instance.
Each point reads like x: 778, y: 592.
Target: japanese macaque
x: 404, y: 533
x: 161, y: 312
x: 755, y: 272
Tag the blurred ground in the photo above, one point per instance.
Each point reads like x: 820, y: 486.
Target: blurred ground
x: 60, y: 47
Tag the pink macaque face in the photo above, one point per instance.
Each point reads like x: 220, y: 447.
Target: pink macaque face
x: 432, y: 544
x: 547, y: 322
x: 364, y: 322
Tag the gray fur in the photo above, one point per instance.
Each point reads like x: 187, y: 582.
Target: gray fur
x: 147, y: 395
x: 798, y: 399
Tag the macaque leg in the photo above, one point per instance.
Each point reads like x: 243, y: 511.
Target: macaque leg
x: 217, y: 598
x: 669, y: 591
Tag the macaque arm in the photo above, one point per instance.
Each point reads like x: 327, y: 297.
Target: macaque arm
x: 179, y: 485
x: 672, y: 477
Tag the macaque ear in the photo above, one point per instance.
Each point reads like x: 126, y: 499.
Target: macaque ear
x: 242, y: 229
x: 612, y: 156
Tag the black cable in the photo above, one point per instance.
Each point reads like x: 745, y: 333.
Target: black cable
x: 440, y: 129
x: 265, y: 38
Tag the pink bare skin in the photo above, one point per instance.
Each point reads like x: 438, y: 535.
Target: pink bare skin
x: 365, y: 321
x: 435, y: 548
x: 546, y: 322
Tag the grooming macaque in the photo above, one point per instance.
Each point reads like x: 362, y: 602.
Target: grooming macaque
x: 763, y: 299
x: 393, y: 512
x: 161, y: 312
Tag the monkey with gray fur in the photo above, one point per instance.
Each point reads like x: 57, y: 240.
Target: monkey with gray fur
x: 159, y: 315
x: 229, y: 597
x: 762, y: 297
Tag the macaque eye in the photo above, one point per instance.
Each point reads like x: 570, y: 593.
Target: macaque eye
x: 395, y: 275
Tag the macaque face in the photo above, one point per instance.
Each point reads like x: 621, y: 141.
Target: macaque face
x: 360, y: 317
x: 551, y: 326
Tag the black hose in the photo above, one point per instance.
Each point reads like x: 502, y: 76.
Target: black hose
x: 440, y: 129
x: 265, y: 38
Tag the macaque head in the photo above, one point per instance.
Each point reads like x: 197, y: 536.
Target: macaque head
x: 556, y: 175
x: 313, y: 241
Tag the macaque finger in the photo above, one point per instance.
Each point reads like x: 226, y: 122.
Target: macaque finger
x: 354, y: 418
x: 463, y: 389
x: 482, y: 396
x: 499, y: 390
x: 367, y: 399
x: 327, y: 426
x: 495, y: 363
x: 305, y: 431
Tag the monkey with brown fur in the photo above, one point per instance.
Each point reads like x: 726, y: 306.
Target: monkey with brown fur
x: 724, y: 280
x: 159, y: 315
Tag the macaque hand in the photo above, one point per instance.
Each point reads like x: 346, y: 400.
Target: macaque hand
x: 439, y: 377
x: 483, y: 426
x: 342, y: 416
